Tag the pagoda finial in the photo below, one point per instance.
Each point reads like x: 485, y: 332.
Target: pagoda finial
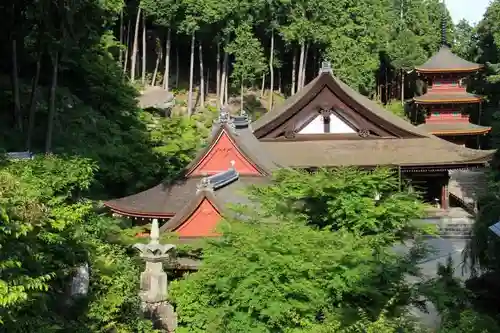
x: 326, y: 67
x: 444, y: 41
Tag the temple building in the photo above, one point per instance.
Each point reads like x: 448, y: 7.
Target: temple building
x: 325, y: 124
x: 447, y: 101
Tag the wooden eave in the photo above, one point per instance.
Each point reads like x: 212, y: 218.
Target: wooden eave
x: 444, y: 100
x: 134, y: 213
x: 469, y: 70
x: 371, y: 115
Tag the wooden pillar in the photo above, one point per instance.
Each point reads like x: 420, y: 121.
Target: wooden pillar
x: 445, y: 196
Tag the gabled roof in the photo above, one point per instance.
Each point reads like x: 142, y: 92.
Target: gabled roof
x: 167, y: 199
x: 204, y: 194
x: 215, y: 192
x: 237, y: 130
x: 445, y: 61
x: 363, y: 108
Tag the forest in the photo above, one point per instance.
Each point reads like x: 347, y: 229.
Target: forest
x: 70, y: 76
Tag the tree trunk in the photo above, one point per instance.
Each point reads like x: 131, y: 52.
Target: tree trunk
x: 279, y: 80
x: 135, y: 46
x: 15, y: 87
x: 32, y: 107
x: 166, y: 74
x: 202, y: 75
x: 304, y: 66
x: 294, y: 76
x: 191, y: 76
x: 207, y: 82
x: 218, y: 80
x: 263, y: 85
x: 402, y: 87
x: 120, y: 54
x: 177, y: 67
x: 241, y: 96
x: 127, y: 48
x: 271, y: 72
x: 226, y: 86
x: 52, y: 103
x: 301, y: 65
x: 223, y: 80
x: 386, y: 86
x: 144, y: 55
x: 159, y: 55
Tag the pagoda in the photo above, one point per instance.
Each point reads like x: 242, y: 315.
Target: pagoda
x: 326, y: 124
x: 447, y: 100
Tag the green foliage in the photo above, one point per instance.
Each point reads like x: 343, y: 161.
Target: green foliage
x: 395, y: 107
x: 249, y: 56
x: 47, y: 231
x: 278, y: 272
x: 343, y: 198
x: 273, y: 276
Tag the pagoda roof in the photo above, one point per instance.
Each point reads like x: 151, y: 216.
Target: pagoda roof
x: 454, y: 128
x: 445, y: 61
x: 459, y: 97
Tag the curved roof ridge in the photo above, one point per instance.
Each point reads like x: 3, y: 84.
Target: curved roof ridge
x: 328, y: 79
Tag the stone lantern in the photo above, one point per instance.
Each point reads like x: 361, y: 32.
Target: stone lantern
x: 154, y: 290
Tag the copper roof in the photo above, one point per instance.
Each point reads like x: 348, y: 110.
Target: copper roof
x: 445, y: 61
x: 449, y: 97
x: 455, y: 128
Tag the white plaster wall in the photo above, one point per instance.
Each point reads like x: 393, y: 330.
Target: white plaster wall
x: 336, y: 126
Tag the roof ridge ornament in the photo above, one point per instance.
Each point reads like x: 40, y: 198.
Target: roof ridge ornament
x: 204, y: 185
x: 326, y: 67
x: 224, y: 118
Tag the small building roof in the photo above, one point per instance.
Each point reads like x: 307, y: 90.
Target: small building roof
x: 454, y: 128
x: 445, y: 61
x: 459, y: 97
